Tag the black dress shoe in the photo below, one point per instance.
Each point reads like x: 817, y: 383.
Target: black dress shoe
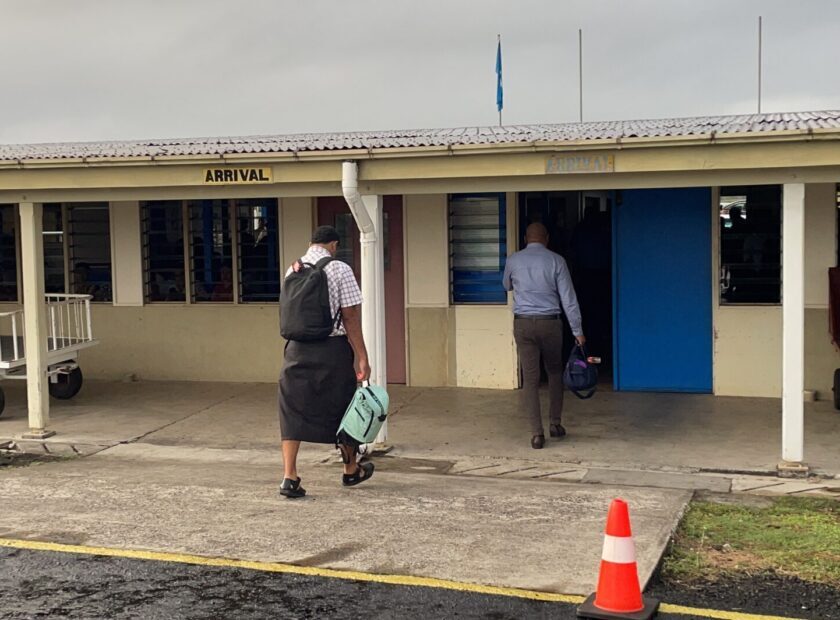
x: 557, y: 430
x: 537, y: 442
x: 291, y: 489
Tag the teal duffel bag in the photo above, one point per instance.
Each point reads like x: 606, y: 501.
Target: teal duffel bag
x: 364, y: 416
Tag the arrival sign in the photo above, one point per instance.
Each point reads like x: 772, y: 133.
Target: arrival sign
x: 236, y: 176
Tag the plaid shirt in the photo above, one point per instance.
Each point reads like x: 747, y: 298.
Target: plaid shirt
x: 344, y: 290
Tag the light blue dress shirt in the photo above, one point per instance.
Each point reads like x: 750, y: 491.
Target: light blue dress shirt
x: 541, y: 284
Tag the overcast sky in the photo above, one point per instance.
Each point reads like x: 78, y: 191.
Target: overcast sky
x: 118, y: 69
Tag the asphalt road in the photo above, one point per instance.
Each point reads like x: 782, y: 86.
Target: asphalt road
x: 41, y: 584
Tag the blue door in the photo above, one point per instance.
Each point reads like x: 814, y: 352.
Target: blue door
x: 663, y: 290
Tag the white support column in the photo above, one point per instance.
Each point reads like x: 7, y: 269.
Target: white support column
x: 35, y: 319
x: 793, y: 330
x: 373, y: 288
x: 368, y: 213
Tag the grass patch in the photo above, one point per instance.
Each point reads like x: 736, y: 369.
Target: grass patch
x: 794, y: 536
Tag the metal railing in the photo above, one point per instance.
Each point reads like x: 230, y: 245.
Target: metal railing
x: 68, y: 324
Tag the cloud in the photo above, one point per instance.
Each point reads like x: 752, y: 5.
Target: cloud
x: 97, y: 69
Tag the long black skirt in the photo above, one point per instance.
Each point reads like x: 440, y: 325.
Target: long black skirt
x: 317, y: 384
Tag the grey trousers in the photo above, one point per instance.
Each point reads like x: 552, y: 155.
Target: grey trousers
x: 535, y: 337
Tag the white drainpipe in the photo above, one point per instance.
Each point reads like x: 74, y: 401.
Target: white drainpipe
x: 367, y: 212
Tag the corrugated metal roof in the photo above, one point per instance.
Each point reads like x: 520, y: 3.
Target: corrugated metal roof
x: 513, y: 134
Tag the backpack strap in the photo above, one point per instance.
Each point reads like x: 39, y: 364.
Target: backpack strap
x: 320, y: 266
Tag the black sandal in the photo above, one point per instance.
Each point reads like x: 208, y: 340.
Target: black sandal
x: 363, y: 472
x: 291, y: 488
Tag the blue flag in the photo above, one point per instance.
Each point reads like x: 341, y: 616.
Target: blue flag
x: 499, y: 93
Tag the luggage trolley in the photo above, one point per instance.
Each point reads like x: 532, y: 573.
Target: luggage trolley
x: 68, y: 332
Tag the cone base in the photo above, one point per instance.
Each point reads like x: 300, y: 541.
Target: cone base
x: 588, y: 610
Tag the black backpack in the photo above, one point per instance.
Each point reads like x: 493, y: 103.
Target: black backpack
x: 305, y: 313
x: 580, y: 377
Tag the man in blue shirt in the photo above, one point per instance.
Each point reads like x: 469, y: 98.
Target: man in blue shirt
x: 542, y: 293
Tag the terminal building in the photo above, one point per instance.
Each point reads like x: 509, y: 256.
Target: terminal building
x: 700, y: 248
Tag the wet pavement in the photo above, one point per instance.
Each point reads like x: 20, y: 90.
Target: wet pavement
x: 41, y: 584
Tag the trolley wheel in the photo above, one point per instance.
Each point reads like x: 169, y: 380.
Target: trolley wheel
x: 837, y: 389
x: 2, y: 401
x: 67, y: 386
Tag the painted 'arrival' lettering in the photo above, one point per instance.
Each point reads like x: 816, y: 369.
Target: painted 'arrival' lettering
x: 237, y: 175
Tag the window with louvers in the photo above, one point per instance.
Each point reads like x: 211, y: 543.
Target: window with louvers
x: 163, y: 251
x: 77, y: 249
x: 231, y: 253
x: 751, y: 244
x: 477, y: 248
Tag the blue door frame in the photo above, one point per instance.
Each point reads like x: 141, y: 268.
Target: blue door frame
x: 662, y: 310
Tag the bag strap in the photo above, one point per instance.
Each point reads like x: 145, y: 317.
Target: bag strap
x: 583, y: 396
x: 319, y: 265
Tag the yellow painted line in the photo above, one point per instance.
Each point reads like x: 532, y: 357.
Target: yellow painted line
x: 716, y: 613
x: 272, y: 567
x: 397, y: 580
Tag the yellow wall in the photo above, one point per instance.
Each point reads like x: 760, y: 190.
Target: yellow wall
x: 748, y: 351
x: 426, y: 251
x: 428, y: 347
x: 191, y: 343
x: 484, y: 349
x: 821, y: 358
x: 297, y: 219
x: 820, y: 242
x: 126, y: 253
x: 427, y: 290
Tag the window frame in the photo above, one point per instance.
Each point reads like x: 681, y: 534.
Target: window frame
x: 743, y: 190
x: 233, y: 224
x: 67, y: 233
x: 63, y: 209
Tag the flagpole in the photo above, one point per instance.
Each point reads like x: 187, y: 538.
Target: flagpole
x: 759, y: 64
x: 580, y: 71
x: 499, y: 43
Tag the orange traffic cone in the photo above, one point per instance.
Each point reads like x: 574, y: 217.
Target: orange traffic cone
x: 618, y: 594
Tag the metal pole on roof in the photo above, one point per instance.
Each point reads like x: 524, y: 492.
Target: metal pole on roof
x: 580, y: 71
x: 759, y: 64
x: 499, y: 84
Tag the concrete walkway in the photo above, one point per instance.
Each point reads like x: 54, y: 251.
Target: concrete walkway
x: 735, y: 438
x: 669, y: 432
x: 194, y: 468
x: 497, y: 532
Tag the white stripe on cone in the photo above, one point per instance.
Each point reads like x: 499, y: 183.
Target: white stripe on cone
x: 619, y: 549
